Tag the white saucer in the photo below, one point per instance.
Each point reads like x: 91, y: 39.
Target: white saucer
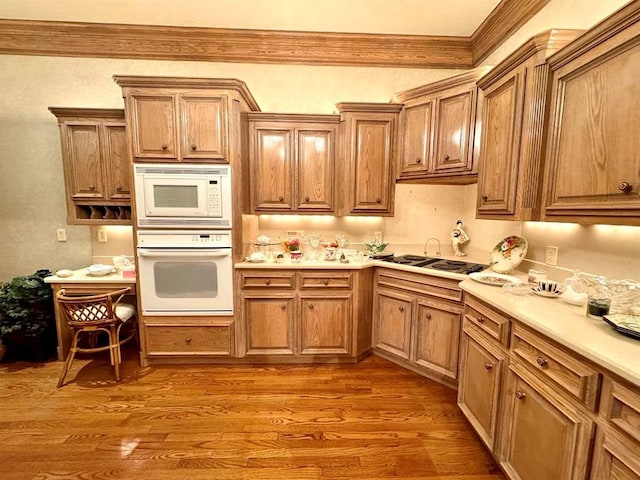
x: 544, y: 293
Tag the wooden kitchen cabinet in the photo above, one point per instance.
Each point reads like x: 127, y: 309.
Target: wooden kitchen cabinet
x: 96, y: 165
x: 592, y: 172
x: 417, y: 322
x: 437, y: 131
x: 292, y: 159
x: 514, y: 124
x: 309, y: 315
x: 368, y: 138
x: 182, y: 119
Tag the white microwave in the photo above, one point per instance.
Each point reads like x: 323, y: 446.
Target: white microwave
x: 179, y: 195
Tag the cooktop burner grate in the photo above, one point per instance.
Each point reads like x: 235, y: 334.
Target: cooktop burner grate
x: 455, y: 266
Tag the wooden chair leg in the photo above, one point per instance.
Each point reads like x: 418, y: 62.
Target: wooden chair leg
x: 113, y: 351
x: 69, y: 360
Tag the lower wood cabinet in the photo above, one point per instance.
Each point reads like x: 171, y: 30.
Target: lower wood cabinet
x: 313, y: 314
x: 417, y: 322
x: 614, y: 457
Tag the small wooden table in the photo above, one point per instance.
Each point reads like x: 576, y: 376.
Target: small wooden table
x: 81, y: 283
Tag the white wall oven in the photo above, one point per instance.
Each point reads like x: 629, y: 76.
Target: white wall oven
x: 183, y: 196
x: 185, y: 272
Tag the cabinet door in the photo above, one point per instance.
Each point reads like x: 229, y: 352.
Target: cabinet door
x: 615, y: 457
x: 85, y: 179
x: 545, y: 436
x: 204, y: 128
x: 371, y: 179
x: 593, y: 164
x: 269, y: 325
x: 325, y: 324
x: 416, y: 139
x: 116, y: 161
x: 453, y: 131
x: 436, y: 338
x: 500, y: 151
x: 272, y: 169
x: 392, y: 327
x: 315, y: 152
x: 481, y: 371
x: 154, y: 127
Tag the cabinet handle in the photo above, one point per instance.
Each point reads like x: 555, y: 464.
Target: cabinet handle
x: 480, y: 319
x: 92, y: 187
x: 418, y: 160
x: 541, y: 361
x: 401, y: 308
x: 164, y: 146
x: 521, y: 395
x: 488, y: 366
x: 187, y: 340
x: 306, y: 199
x: 119, y: 188
x: 427, y: 316
x: 485, y: 197
x: 280, y: 198
x: 283, y: 306
x: 378, y: 200
x: 446, y: 157
x: 625, y: 187
x: 325, y: 281
x: 267, y: 282
x: 311, y: 306
x: 194, y: 147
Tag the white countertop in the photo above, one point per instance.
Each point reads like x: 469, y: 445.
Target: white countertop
x: 80, y: 276
x: 569, y: 326
x: 307, y: 265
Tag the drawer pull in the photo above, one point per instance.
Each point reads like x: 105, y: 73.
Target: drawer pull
x: 267, y: 282
x: 306, y: 198
x: 521, y: 395
x: 446, y: 157
x: 485, y: 197
x: 194, y: 147
x: 281, y: 198
x: 625, y: 187
x: 187, y: 340
x: 427, y: 316
x: 401, y: 308
x: 488, y: 366
x: 164, y: 146
x: 418, y: 160
x: 92, y: 187
x: 325, y: 281
x: 378, y: 200
x: 119, y: 188
x: 480, y: 319
x: 542, y: 362
x: 283, y: 306
x: 311, y: 306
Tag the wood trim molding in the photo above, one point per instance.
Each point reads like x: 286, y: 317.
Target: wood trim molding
x: 445, y: 84
x: 292, y: 117
x: 503, y: 21
x: 104, y: 40
x: 68, y: 113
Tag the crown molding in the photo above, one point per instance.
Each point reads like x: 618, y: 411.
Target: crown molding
x: 155, y: 42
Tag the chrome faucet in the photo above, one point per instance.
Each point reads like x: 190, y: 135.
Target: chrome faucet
x: 426, y: 245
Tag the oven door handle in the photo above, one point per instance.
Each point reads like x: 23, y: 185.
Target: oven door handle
x: 183, y: 253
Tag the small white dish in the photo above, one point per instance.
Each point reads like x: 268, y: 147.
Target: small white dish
x: 495, y: 279
x: 99, y: 270
x: 544, y: 293
x: 64, y: 273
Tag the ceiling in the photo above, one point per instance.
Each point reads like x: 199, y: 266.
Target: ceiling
x: 412, y: 17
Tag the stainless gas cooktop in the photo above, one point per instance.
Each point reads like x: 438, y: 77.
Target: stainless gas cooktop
x: 455, y: 266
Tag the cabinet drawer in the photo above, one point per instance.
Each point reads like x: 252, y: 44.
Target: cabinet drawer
x: 321, y: 280
x: 490, y: 321
x: 566, y: 371
x: 445, y: 288
x: 621, y: 407
x: 268, y: 280
x: 188, y: 339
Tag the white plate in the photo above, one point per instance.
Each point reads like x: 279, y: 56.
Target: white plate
x: 99, y: 270
x: 495, y: 279
x: 508, y: 254
x: 255, y: 260
x: 544, y: 293
x: 64, y: 273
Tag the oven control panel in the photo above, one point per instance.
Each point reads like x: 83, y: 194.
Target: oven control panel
x: 184, y: 238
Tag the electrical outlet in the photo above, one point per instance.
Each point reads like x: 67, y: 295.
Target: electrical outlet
x: 551, y: 255
x: 61, y: 235
x: 102, y: 235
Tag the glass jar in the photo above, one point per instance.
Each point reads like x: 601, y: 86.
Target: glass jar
x: 599, y: 299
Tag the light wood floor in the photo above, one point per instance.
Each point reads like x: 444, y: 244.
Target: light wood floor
x: 368, y: 421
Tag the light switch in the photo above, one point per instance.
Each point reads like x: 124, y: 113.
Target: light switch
x: 61, y: 234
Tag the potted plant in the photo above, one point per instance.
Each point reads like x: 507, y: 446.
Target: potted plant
x: 27, y: 320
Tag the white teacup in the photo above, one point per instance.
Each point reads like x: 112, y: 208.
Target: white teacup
x: 550, y: 286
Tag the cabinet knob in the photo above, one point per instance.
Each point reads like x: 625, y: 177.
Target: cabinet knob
x: 267, y: 282
x: 306, y: 199
x: 625, y: 187
x: 194, y: 147
x: 427, y: 316
x: 187, y: 340
x: 521, y: 395
x: 326, y: 281
x: 480, y: 319
x: 119, y: 188
x: 378, y: 200
x: 283, y: 306
x: 488, y: 366
x: 541, y: 361
x: 280, y: 198
x: 401, y: 308
x: 311, y: 306
x: 418, y: 160
x: 164, y: 146
x: 92, y: 187
x: 485, y: 197
x: 446, y: 157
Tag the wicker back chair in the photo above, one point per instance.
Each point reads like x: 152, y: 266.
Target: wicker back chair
x: 95, y: 313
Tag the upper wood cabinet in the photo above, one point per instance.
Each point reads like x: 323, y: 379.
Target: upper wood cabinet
x: 592, y: 173
x: 97, y: 169
x: 181, y: 119
x: 513, y: 125
x: 368, y: 135
x: 292, y: 160
x: 437, y: 131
